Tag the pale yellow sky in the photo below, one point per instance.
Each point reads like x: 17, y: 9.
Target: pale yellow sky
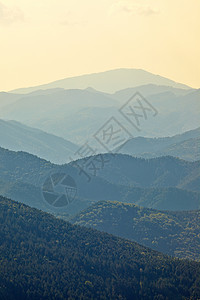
x: 46, y: 40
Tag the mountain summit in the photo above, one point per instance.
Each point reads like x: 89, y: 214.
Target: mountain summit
x: 108, y: 81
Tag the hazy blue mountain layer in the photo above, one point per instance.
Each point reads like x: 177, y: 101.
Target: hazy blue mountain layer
x: 18, y: 137
x: 160, y: 183
x: 77, y: 115
x: 109, y: 81
x: 185, y: 146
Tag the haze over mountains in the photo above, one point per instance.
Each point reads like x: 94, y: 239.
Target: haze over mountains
x: 109, y: 81
x: 145, y: 189
x: 162, y: 183
x: 60, y: 112
x: 185, y: 146
x: 76, y: 115
x: 18, y: 137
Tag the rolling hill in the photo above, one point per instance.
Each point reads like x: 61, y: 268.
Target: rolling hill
x: 164, y: 198
x: 118, y: 169
x: 185, y: 146
x: 18, y: 137
x: 188, y: 150
x: 46, y: 258
x: 151, y: 173
x: 172, y: 233
x: 156, y: 183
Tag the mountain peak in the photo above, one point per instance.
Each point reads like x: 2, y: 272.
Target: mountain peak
x: 108, y: 81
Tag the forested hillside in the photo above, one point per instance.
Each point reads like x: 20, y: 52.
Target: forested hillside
x: 173, y: 233
x: 46, y: 258
x: 156, y: 172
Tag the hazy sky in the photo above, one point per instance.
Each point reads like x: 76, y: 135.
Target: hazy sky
x: 46, y: 40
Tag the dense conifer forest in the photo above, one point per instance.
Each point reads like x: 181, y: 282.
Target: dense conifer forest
x: 46, y: 258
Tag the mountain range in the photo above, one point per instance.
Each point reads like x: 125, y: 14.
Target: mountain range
x: 76, y: 115
x: 91, y: 217
x: 108, y: 81
x: 60, y: 112
x: 18, y: 137
x: 162, y: 183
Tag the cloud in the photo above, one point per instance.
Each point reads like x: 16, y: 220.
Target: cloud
x: 132, y: 8
x: 9, y: 15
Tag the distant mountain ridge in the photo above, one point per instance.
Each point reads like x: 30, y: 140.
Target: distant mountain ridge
x: 60, y: 112
x: 108, y: 81
x: 150, y: 90
x: 160, y: 183
x: 18, y: 137
x: 76, y: 114
x: 185, y: 146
